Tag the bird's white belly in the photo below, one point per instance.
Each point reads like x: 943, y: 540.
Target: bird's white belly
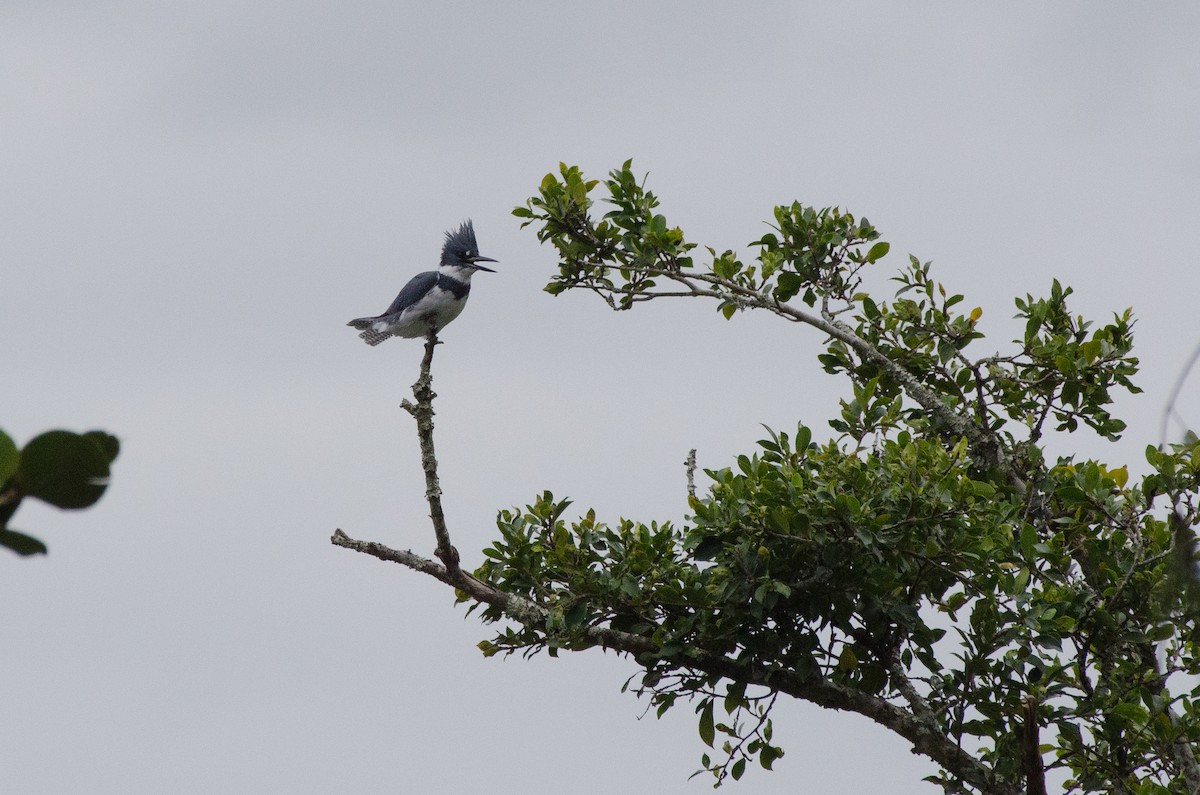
x: 436, y: 309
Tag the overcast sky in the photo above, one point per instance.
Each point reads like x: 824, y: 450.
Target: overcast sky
x: 198, y: 196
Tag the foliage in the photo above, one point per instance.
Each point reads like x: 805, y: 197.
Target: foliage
x: 927, y: 567
x: 64, y: 469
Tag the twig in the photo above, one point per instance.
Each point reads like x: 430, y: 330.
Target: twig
x: 690, y: 463
x: 1169, y: 410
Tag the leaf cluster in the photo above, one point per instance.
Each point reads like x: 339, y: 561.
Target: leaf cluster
x: 926, y: 564
x: 62, y: 468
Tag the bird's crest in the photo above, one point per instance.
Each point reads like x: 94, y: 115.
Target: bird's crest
x: 460, y: 244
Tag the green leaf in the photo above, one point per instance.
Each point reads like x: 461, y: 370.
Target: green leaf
x: 735, y: 696
x: 788, y: 285
x: 982, y: 488
x: 21, y: 543
x: 1131, y: 713
x: 707, y: 728
x: 108, y: 443
x: 65, y: 469
x: 878, y: 251
x: 1162, y: 632
x: 9, y: 456
x: 576, y: 616
x: 1029, y: 540
x: 708, y: 548
x: 739, y: 767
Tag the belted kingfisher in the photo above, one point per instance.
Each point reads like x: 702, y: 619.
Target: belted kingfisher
x: 433, y: 298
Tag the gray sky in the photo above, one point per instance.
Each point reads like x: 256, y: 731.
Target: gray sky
x: 198, y: 196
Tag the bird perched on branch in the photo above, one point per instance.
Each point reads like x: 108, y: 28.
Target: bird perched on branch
x: 431, y: 299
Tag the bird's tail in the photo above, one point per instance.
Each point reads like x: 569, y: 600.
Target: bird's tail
x: 369, y: 335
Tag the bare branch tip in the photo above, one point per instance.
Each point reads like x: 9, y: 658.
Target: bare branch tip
x: 690, y: 463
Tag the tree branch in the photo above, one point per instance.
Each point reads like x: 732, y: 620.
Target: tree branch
x: 422, y: 412
x: 1031, y: 752
x: 515, y: 607
x: 690, y: 464
x: 728, y: 290
x: 925, y: 737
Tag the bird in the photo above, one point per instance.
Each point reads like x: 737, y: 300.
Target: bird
x: 431, y: 299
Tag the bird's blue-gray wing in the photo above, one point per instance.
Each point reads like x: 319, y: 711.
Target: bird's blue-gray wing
x: 412, y: 292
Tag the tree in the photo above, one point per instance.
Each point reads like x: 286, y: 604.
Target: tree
x: 928, y: 567
x: 65, y: 469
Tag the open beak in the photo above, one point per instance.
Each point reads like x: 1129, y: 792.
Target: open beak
x: 478, y: 259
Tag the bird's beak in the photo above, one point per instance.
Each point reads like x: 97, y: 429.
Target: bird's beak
x: 478, y: 259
